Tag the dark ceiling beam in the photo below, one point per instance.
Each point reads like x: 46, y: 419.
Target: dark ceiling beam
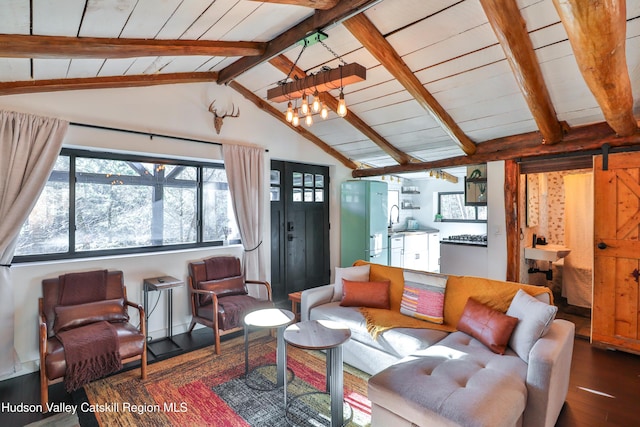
x: 24, y: 46
x: 54, y: 85
x: 597, y: 33
x: 314, y: 4
x: 527, y: 145
x: 318, y: 21
x: 283, y: 64
x: 265, y: 106
x: 511, y: 31
x: 367, y: 33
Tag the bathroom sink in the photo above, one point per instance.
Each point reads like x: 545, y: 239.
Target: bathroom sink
x: 550, y: 253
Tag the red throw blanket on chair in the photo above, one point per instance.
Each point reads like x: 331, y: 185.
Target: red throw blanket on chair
x: 91, y: 352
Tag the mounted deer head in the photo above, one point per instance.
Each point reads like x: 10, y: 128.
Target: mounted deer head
x: 217, y: 120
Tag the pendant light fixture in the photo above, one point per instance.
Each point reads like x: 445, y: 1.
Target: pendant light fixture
x: 325, y: 80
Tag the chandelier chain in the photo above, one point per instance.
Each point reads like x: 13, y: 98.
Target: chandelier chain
x: 293, y: 66
x: 332, y: 52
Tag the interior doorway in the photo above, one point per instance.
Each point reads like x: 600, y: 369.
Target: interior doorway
x: 559, y: 211
x: 299, y: 227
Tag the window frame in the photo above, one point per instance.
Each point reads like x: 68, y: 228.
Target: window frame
x: 71, y: 253
x: 448, y: 193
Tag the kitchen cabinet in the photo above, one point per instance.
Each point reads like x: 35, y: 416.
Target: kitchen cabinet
x: 421, y: 251
x: 464, y: 259
x: 396, y: 250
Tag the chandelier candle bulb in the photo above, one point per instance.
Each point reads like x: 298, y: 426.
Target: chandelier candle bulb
x: 324, y: 112
x: 296, y: 120
x: 305, y: 106
x: 309, y: 119
x: 342, y: 105
x: 316, y: 102
x: 289, y: 115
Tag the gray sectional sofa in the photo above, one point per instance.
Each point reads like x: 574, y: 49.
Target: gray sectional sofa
x: 429, y: 377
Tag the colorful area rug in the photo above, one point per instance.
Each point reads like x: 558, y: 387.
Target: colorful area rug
x: 202, y: 389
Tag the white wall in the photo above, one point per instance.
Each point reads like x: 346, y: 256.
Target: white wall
x: 496, y: 227
x: 175, y: 110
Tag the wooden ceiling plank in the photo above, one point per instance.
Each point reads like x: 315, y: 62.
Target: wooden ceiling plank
x: 283, y: 63
x: 381, y: 49
x: 527, y: 145
x: 24, y: 46
x: 318, y: 21
x: 268, y: 108
x: 597, y: 33
x: 314, y: 4
x: 53, y: 85
x: 511, y: 31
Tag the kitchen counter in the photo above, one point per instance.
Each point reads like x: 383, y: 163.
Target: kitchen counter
x: 419, y: 231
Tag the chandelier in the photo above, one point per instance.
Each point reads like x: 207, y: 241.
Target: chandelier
x: 307, y: 90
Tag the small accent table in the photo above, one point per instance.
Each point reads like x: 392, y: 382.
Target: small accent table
x: 162, y: 283
x: 324, y: 335
x: 269, y: 318
x: 295, y: 298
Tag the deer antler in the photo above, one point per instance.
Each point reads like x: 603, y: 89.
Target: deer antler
x: 217, y: 120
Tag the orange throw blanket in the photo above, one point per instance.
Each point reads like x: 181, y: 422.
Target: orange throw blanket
x: 494, y: 293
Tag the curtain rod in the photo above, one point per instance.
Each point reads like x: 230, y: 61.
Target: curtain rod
x: 150, y: 135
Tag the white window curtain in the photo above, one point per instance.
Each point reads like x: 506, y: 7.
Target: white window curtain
x: 245, y: 174
x: 29, y: 147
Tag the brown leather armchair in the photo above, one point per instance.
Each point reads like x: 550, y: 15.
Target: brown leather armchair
x: 56, y: 317
x: 218, y: 286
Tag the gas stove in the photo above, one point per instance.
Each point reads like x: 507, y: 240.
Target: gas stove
x: 471, y: 239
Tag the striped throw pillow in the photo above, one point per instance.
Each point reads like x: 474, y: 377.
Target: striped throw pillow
x: 423, y: 296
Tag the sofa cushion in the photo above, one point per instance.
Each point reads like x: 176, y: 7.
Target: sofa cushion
x: 365, y: 294
x: 357, y: 274
x: 457, y: 381
x: 423, y: 296
x: 399, y: 342
x: 73, y: 316
x: 535, y: 319
x: 489, y: 326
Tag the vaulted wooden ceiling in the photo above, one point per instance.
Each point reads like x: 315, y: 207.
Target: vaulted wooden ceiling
x: 449, y: 82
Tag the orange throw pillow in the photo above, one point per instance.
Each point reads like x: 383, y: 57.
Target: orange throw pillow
x: 491, y: 327
x: 365, y: 294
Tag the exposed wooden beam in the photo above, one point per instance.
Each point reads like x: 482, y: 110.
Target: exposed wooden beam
x: 319, y: 20
x: 597, y: 33
x: 265, y: 106
x: 511, y: 31
x: 23, y: 46
x: 54, y: 85
x: 315, y: 4
x: 511, y: 193
x: 283, y: 64
x: 527, y: 145
x: 367, y: 33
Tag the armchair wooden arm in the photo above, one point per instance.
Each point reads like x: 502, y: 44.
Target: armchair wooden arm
x: 143, y: 331
x: 266, y: 284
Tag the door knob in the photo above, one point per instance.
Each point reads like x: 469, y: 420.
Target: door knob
x: 290, y: 237
x: 602, y: 245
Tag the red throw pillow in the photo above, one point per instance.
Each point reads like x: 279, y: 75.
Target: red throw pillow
x: 491, y: 327
x: 365, y: 294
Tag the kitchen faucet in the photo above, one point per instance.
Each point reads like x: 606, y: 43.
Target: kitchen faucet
x: 391, y: 216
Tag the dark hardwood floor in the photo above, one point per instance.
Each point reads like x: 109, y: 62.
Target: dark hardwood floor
x: 604, y: 388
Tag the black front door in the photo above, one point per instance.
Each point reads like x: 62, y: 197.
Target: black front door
x: 299, y: 227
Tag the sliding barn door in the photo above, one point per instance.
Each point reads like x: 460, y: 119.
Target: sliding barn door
x: 615, y: 315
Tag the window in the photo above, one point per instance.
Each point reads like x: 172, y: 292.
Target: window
x: 452, y: 209
x: 122, y: 204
